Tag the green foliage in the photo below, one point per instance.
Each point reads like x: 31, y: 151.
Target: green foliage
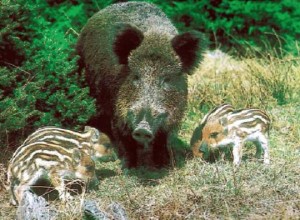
x: 13, y: 35
x: 38, y: 81
x: 239, y: 24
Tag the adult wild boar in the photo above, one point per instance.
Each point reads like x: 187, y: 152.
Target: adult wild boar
x: 136, y: 66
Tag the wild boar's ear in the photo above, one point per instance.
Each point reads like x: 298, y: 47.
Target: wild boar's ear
x: 127, y: 39
x: 189, y: 46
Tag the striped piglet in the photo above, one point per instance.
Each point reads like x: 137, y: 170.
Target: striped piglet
x: 56, y: 154
x: 224, y: 126
x: 54, y: 163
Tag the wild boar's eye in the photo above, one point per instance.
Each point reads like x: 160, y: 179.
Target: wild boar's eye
x: 167, y: 79
x: 135, y: 79
x: 166, y: 83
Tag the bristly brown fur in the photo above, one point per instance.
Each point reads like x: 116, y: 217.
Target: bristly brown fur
x: 136, y: 65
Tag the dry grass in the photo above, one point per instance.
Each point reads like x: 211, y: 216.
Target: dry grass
x: 201, y: 190
x: 251, y: 81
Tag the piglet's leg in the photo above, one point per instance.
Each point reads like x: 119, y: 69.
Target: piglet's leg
x: 13, y: 193
x: 25, y: 185
x: 265, y: 146
x: 19, y: 193
x: 237, y: 153
x: 58, y: 183
x: 258, y: 149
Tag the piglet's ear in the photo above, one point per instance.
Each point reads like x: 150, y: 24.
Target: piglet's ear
x: 223, y: 121
x: 189, y: 46
x: 96, y: 136
x: 127, y: 39
x: 87, y: 128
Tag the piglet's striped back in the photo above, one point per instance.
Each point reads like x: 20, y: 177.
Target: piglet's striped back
x: 66, y: 138
x: 218, y: 112
x: 249, y: 120
x: 39, y: 154
x: 55, y: 134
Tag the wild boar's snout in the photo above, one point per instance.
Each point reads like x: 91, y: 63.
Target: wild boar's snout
x: 147, y: 123
x: 143, y: 133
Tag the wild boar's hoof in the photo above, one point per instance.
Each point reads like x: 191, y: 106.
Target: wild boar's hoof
x: 142, y: 133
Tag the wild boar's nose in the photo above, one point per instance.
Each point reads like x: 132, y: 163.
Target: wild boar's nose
x: 142, y: 133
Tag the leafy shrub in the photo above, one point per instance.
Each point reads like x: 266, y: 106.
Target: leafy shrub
x: 13, y: 34
x: 38, y: 84
x: 232, y: 23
